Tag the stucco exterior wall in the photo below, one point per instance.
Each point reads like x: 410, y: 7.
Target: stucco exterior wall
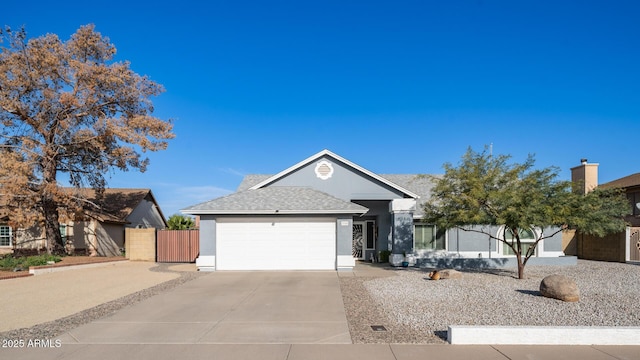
x: 402, y: 228
x: 98, y: 239
x: 569, y: 242
x: 31, y: 238
x: 345, y: 183
x: 109, y: 239
x: 476, y: 244
x: 206, y: 261
x: 83, y: 236
x: 146, y: 215
x: 462, y: 241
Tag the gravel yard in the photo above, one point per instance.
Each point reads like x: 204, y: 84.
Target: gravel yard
x: 415, y: 309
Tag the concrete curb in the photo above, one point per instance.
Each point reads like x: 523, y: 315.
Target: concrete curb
x: 543, y: 335
x: 45, y: 269
x: 16, y: 275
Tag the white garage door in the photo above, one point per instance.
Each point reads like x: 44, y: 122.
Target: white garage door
x: 276, y: 244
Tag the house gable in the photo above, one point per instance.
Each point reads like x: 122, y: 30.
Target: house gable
x: 331, y: 174
x: 147, y: 214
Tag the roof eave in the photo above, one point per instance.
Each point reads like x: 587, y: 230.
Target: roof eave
x: 273, y: 212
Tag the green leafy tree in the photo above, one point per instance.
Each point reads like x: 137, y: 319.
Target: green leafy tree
x: 485, y: 190
x: 180, y: 222
x: 66, y: 108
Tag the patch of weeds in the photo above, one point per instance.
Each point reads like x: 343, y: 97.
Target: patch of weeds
x: 39, y: 260
x: 9, y: 262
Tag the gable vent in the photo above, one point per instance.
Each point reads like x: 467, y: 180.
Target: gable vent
x: 324, y: 170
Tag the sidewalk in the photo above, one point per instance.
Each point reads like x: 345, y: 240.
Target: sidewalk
x: 322, y: 352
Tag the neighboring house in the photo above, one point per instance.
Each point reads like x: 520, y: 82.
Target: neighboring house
x: 326, y: 212
x: 27, y: 238
x: 631, y: 186
x: 100, y: 228
x: 620, y: 247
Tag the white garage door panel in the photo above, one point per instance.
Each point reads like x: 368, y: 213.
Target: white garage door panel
x: 276, y: 245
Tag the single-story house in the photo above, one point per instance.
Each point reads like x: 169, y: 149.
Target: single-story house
x: 99, y: 230
x: 326, y: 212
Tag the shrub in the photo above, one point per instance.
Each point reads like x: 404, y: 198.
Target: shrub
x: 384, y: 256
x: 9, y: 262
x: 39, y: 260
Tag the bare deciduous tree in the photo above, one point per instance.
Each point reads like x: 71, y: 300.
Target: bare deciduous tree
x: 67, y: 108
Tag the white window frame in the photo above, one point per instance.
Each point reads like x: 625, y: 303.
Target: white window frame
x: 536, y: 232
x: 435, y: 228
x: 10, y: 235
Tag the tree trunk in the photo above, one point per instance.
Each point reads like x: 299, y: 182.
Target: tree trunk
x: 50, y: 208
x: 52, y: 226
x: 519, y: 256
x: 520, y: 266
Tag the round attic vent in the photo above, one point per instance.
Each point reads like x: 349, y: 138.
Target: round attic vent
x: 324, y: 170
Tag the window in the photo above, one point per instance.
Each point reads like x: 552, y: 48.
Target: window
x: 5, y: 235
x: 427, y: 237
x: 371, y: 235
x: 634, y: 200
x: 527, y: 239
x: 63, y: 232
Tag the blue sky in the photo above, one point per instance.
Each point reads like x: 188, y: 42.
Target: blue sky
x: 394, y: 86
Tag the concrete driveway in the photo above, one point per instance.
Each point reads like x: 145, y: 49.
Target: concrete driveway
x: 38, y: 299
x: 230, y: 308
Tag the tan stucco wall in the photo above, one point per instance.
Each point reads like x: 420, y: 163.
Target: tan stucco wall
x: 569, y: 242
x: 140, y: 244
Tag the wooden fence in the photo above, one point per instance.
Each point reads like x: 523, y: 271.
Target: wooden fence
x: 178, y: 245
x: 634, y: 244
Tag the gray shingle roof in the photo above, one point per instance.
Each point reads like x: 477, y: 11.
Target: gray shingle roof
x: 252, y: 179
x: 277, y: 200
x: 419, y: 184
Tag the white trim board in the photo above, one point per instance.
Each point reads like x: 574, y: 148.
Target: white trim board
x: 543, y: 335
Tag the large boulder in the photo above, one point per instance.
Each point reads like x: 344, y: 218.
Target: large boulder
x: 560, y: 287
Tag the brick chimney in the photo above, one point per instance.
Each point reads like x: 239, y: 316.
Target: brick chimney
x: 584, y: 177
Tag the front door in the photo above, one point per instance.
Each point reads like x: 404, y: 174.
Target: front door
x: 363, y: 238
x: 358, y: 240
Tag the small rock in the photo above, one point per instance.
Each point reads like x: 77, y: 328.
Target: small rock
x: 445, y: 274
x: 560, y: 287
